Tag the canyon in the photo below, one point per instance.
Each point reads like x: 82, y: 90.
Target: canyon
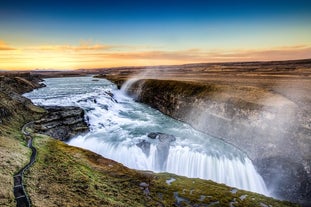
x: 261, y: 108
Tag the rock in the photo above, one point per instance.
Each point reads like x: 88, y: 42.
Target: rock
x: 143, y: 184
x: 162, y: 137
x: 13, y: 105
x: 163, y: 147
x: 4, y: 113
x: 61, y: 122
x: 152, y: 135
x: 145, y: 147
x: 166, y: 138
x: 292, y: 175
x: 20, y: 83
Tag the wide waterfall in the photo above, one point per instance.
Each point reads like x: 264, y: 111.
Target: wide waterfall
x: 120, y: 128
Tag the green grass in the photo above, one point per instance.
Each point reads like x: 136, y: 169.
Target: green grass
x: 69, y: 176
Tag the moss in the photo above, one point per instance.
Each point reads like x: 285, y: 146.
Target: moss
x: 13, y: 155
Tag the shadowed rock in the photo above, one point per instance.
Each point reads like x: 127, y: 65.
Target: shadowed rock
x: 163, y: 147
x: 62, y: 122
x: 163, y: 142
x: 144, y: 146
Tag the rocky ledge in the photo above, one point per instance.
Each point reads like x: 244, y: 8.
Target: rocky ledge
x: 271, y: 129
x: 58, y: 122
x: 61, y: 123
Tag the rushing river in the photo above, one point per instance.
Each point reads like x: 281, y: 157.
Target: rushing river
x: 118, y: 125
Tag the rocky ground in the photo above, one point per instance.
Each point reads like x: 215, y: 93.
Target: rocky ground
x: 68, y: 176
x: 263, y: 108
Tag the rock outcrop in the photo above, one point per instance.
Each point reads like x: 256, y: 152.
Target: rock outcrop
x: 163, y: 142
x: 12, y: 104
x: 61, y: 122
x: 270, y: 128
x: 58, y: 122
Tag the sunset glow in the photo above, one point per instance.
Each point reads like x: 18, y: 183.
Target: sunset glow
x: 95, y: 34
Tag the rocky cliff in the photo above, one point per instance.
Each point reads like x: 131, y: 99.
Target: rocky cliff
x: 271, y: 129
x: 61, y: 122
x: 12, y: 104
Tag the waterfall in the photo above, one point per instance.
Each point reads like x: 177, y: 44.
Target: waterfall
x: 119, y: 129
x: 236, y: 172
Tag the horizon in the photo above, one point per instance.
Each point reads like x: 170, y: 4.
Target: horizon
x: 146, y: 66
x: 72, y: 35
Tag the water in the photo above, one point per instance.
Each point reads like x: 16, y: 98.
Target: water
x: 118, y: 125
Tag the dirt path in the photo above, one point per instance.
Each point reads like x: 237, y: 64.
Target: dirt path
x: 21, y: 197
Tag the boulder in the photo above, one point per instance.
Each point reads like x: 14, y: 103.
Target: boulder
x: 162, y: 137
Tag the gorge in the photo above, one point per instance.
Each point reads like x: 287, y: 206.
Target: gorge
x: 120, y: 130
x: 140, y: 137
x: 262, y: 112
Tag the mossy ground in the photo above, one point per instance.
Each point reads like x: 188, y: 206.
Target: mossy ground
x: 68, y: 176
x: 13, y: 155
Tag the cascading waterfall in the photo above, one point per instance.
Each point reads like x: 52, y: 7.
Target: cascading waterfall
x: 120, y: 128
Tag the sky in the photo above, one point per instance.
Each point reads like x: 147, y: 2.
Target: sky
x: 74, y: 34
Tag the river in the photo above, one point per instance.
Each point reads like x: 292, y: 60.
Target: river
x: 118, y: 125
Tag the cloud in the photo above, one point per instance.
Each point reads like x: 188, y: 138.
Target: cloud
x: 199, y: 55
x: 279, y: 53
x: 88, y: 55
x: 4, y: 46
x: 76, y: 48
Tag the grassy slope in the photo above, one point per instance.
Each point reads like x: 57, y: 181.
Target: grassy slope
x: 13, y: 155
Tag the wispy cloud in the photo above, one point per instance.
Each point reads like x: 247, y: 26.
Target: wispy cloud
x: 199, y: 55
x: 4, y: 46
x: 76, y: 48
x: 88, y: 55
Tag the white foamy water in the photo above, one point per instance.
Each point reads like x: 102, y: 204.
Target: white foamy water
x: 118, y: 124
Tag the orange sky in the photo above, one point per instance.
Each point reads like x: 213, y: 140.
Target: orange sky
x: 100, y: 33
x: 89, y: 55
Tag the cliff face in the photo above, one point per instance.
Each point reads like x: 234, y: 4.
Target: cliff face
x: 61, y: 123
x: 272, y: 130
x: 12, y: 104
